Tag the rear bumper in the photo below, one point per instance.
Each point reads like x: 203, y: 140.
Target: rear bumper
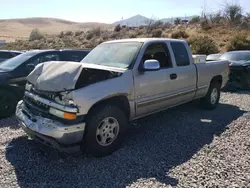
x: 63, y: 137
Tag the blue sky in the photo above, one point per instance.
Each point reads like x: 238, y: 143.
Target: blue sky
x: 108, y: 11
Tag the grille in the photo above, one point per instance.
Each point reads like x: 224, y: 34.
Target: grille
x: 36, y: 107
x: 47, y: 95
x: 235, y: 74
x: 39, y: 109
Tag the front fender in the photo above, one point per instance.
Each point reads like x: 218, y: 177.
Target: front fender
x: 86, y: 97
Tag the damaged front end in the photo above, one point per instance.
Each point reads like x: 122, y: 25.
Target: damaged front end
x: 239, y: 77
x: 50, y: 122
x: 48, y: 112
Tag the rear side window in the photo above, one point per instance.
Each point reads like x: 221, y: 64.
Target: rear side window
x: 180, y: 54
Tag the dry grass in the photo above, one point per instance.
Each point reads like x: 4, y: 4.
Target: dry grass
x: 20, y: 28
x: 75, y: 35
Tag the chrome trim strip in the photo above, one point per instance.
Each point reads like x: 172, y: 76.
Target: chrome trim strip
x: 202, y: 87
x: 154, y: 112
x: 51, y: 103
x: 160, y: 99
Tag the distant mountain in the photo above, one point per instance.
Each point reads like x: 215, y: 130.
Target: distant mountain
x: 37, y: 21
x: 138, y: 20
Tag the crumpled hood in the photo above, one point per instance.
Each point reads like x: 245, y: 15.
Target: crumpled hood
x: 58, y: 76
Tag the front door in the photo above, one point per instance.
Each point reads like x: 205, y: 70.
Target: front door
x: 151, y: 86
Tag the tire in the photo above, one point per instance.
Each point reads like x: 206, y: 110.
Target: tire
x: 8, y: 102
x: 211, y: 100
x: 98, y: 141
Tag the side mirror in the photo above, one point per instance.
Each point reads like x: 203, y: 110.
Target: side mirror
x: 30, y: 67
x: 151, y: 65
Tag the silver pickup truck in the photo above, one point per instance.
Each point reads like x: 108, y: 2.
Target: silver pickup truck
x: 72, y: 106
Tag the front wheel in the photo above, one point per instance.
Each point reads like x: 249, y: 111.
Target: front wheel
x: 8, y: 102
x: 211, y: 100
x: 105, y: 130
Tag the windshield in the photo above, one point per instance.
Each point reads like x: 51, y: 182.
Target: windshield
x: 119, y: 54
x: 241, y: 56
x: 14, y: 62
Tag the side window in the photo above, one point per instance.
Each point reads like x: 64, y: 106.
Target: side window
x: 73, y: 56
x: 180, y: 54
x: 158, y: 51
x: 15, y: 54
x: 44, y: 58
x: 50, y: 57
x: 35, y: 61
x: 5, y: 55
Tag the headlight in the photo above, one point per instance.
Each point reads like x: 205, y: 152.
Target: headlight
x: 68, y: 101
x: 61, y: 114
x: 28, y: 87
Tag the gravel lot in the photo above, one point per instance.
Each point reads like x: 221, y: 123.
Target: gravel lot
x: 183, y: 147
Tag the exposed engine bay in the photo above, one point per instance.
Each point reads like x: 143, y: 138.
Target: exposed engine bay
x: 90, y: 76
x: 68, y: 76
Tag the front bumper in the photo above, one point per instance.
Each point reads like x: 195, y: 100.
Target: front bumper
x: 239, y: 78
x: 50, y: 132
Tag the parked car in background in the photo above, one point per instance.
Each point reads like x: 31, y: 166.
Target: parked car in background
x: 239, y: 77
x: 118, y: 81
x: 13, y: 73
x: 213, y: 57
x: 7, y: 54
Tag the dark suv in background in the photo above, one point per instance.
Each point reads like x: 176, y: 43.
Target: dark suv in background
x: 7, y: 54
x: 239, y: 77
x: 13, y: 73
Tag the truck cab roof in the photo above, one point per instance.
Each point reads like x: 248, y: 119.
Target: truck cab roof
x: 144, y: 40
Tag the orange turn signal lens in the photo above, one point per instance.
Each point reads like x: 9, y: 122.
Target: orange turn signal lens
x: 69, y: 116
x: 61, y: 114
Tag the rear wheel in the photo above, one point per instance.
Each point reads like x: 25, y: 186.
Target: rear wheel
x: 8, y: 102
x: 211, y: 100
x: 105, y: 130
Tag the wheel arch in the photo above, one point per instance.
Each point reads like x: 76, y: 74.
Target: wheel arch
x: 217, y: 79
x: 120, y: 101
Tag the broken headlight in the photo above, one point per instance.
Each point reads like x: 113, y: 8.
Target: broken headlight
x: 65, y: 99
x: 61, y: 114
x: 28, y: 87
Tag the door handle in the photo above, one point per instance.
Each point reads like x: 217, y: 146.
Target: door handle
x: 173, y: 76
